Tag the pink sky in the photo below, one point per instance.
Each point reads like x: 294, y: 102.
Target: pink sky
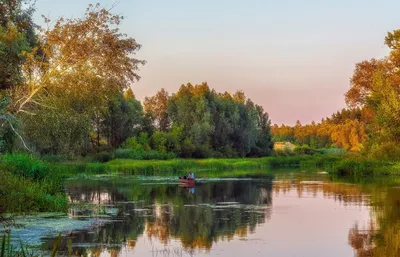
x: 295, y: 58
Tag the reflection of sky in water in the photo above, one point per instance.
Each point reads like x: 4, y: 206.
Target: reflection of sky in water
x: 289, y: 217
x: 307, y: 226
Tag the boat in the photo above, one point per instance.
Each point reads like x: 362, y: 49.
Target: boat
x: 187, y: 181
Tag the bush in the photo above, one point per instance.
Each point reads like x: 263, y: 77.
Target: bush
x: 203, y: 151
x: 385, y: 151
x: 301, y: 150
x: 158, y: 141
x: 285, y: 152
x: 54, y: 158
x: 143, y: 155
x: 25, y: 166
x: 103, y: 157
x: 132, y: 143
x: 351, y: 167
x: 21, y: 195
x: 333, y: 151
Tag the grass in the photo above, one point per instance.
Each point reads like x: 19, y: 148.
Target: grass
x: 7, y: 249
x: 21, y: 195
x: 353, y: 165
x: 30, y: 185
x: 158, y: 167
x: 34, y: 185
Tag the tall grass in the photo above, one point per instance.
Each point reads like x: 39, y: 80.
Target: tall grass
x: 7, y: 249
x: 155, y: 167
x: 30, y: 185
x: 143, y: 155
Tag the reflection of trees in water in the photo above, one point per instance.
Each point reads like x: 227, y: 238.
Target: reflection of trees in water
x: 109, y: 234
x: 381, y: 238
x: 204, y: 223
x: 344, y: 193
x: 168, y: 211
x: 201, y: 226
x: 362, y: 240
x: 386, y: 232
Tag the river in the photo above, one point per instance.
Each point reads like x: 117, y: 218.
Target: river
x: 283, y: 213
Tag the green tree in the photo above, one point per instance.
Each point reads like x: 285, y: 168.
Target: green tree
x: 17, y: 35
x: 123, y: 120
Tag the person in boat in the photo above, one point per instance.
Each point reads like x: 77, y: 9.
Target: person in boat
x: 191, y: 175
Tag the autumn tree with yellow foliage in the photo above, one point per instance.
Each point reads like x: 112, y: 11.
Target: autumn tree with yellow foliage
x: 78, y: 68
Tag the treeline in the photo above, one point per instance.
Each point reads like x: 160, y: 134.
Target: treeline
x: 345, y: 129
x: 195, y: 122
x: 66, y: 91
x: 371, y: 124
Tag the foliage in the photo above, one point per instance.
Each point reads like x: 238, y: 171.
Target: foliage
x: 17, y: 35
x: 30, y: 185
x: 374, y: 86
x: 22, y: 195
x: 25, y: 166
x: 140, y: 154
x: 305, y: 150
x: 212, y: 122
x: 103, y: 156
x: 123, y: 120
x: 80, y: 67
x: 345, y: 129
x: 385, y: 151
x: 157, y: 107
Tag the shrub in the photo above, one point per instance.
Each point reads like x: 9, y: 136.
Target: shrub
x: 25, y: 165
x: 103, y: 157
x: 285, y: 152
x: 132, y: 143
x: 385, y: 151
x: 21, y: 195
x: 305, y: 150
x: 53, y: 158
x: 158, y: 141
x: 143, y: 155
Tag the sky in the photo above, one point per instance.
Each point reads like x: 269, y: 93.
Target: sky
x: 293, y: 57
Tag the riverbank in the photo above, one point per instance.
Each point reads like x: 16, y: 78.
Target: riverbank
x: 30, y: 185
x: 34, y: 185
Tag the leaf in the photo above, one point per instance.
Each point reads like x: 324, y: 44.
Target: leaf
x: 55, y: 247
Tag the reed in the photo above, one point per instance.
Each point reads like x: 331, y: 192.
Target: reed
x: 159, y: 167
x: 9, y: 250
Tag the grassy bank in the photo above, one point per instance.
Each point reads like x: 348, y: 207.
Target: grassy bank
x: 179, y: 166
x: 353, y: 165
x: 30, y: 185
x: 33, y: 185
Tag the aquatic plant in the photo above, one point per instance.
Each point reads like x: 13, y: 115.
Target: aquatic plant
x: 7, y: 249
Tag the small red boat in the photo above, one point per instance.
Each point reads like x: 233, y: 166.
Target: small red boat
x: 187, y: 181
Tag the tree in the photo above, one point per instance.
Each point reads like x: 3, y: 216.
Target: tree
x: 123, y: 120
x: 85, y: 64
x: 17, y: 35
x: 157, y: 107
x: 91, y: 48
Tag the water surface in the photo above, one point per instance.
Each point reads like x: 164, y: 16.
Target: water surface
x: 280, y: 214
